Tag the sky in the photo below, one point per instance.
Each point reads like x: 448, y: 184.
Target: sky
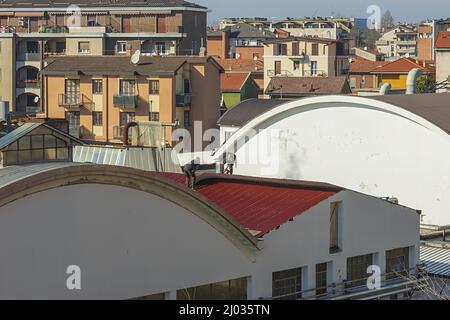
x: 402, y: 10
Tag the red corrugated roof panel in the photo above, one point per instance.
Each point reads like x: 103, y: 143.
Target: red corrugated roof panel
x: 260, y: 205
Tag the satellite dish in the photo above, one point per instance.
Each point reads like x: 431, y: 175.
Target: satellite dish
x: 36, y: 99
x: 135, y: 57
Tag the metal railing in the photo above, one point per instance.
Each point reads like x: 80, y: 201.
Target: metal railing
x: 125, y: 102
x: 184, y: 99
x: 29, y: 84
x: 353, y: 289
x: 69, y: 100
x: 281, y: 73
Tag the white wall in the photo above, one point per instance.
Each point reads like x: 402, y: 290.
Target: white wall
x: 129, y: 243
x: 442, y: 66
x: 357, y: 143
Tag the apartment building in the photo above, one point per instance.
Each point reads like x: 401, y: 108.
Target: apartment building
x: 240, y: 41
x: 427, y: 34
x: 305, y: 57
x: 32, y: 31
x: 257, y: 22
x: 400, y: 41
x: 443, y: 61
x: 328, y: 28
x: 100, y: 95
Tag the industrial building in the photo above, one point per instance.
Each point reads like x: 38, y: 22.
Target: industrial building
x: 385, y: 146
x: 135, y: 234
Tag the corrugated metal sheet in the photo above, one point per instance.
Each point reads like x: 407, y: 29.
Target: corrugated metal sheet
x: 436, y: 260
x: 147, y: 159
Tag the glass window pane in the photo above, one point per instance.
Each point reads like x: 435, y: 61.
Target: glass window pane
x: 60, y: 143
x: 63, y: 154
x: 11, y: 157
x: 24, y: 155
x: 49, y: 141
x: 50, y: 154
x: 37, y: 155
x: 37, y: 142
x: 24, y: 143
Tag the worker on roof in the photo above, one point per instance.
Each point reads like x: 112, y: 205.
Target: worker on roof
x: 189, y: 170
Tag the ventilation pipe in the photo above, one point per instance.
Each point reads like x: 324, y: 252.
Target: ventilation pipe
x: 126, y: 131
x: 411, y: 81
x: 385, y: 88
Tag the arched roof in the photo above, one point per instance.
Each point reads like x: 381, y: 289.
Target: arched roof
x: 419, y: 109
x: 20, y: 181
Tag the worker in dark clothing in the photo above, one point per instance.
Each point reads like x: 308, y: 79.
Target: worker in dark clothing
x: 229, y: 160
x: 190, y: 169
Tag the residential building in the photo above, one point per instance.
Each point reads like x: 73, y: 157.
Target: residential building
x: 32, y: 31
x: 263, y: 238
x: 360, y: 73
x: 100, y: 95
x: 237, y: 87
x: 443, y: 60
x: 324, y: 138
x: 240, y: 41
x: 327, y: 28
x: 260, y: 23
x: 400, y: 41
x: 256, y: 67
x: 300, y: 87
x: 305, y: 57
x: 427, y: 35
x: 367, y: 54
x: 396, y: 72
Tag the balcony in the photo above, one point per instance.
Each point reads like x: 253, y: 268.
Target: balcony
x: 29, y: 56
x: 74, y: 102
x: 281, y: 73
x: 125, y: 102
x: 28, y: 84
x: 184, y: 100
x: 53, y: 29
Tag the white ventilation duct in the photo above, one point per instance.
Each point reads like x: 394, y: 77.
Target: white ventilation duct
x: 385, y: 88
x: 411, y: 81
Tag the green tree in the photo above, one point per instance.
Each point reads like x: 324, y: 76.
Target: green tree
x: 387, y: 21
x: 425, y: 84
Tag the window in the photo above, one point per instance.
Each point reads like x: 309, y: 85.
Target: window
x: 153, y: 86
x: 255, y: 56
x: 97, y: 118
x: 72, y: 91
x: 315, y: 49
x: 84, y: 47
x: 74, y: 123
x: 357, y: 270
x: 97, y: 86
x: 295, y: 49
x: 60, y: 46
x: 127, y: 87
x: 225, y: 290
x: 352, y: 82
x: 334, y: 227
x: 397, y: 263
x: 321, y: 279
x: 287, y: 285
x: 126, y: 117
x: 313, y: 66
x: 296, y: 65
x: 153, y: 116
x: 32, y: 47
x: 363, y: 81
x: 187, y: 119
x: 121, y: 46
x: 91, y: 21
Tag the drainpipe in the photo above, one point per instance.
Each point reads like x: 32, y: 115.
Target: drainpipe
x: 385, y: 88
x: 411, y: 80
x: 125, y: 132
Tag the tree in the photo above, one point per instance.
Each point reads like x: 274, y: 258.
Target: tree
x: 426, y: 84
x: 387, y: 21
x: 364, y: 37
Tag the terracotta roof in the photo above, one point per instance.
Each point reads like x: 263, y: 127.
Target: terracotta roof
x: 402, y: 65
x: 114, y: 65
x: 47, y: 5
x: 365, y: 66
x: 260, y: 205
x: 247, y: 110
x: 307, y: 85
x: 233, y: 81
x: 241, y: 65
x: 443, y: 40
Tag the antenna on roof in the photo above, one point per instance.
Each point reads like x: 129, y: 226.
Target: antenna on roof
x: 136, y: 57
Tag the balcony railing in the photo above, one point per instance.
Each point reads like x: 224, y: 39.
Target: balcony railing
x: 29, y: 84
x: 298, y: 73
x: 53, y: 29
x: 30, y: 56
x: 125, y: 102
x: 281, y: 73
x: 32, y: 109
x: 118, y: 132
x: 184, y: 100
